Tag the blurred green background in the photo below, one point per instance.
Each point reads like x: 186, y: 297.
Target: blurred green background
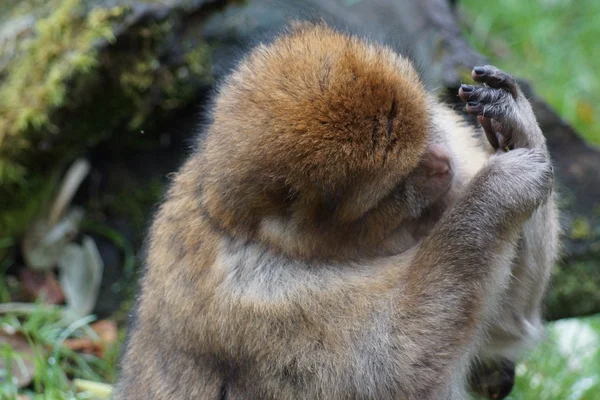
x: 553, y: 43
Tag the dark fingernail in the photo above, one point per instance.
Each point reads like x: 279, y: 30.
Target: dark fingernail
x: 472, y: 104
x: 479, y: 70
x: 466, y: 88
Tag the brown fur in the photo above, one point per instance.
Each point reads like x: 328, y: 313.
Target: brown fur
x: 326, y: 125
x: 278, y: 266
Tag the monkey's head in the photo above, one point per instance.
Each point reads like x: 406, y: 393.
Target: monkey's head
x: 315, y: 131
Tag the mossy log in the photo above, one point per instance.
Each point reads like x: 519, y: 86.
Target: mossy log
x: 88, y: 77
x: 74, y: 73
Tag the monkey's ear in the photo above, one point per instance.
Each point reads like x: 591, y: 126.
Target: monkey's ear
x: 436, y: 160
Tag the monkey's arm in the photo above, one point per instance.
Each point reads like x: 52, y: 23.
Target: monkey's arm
x: 506, y: 114
x: 463, y: 266
x: 509, y: 122
x: 517, y: 323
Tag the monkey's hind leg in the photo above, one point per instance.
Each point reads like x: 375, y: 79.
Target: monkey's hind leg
x: 493, y: 379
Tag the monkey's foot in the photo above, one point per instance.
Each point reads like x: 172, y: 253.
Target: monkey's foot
x: 493, y: 380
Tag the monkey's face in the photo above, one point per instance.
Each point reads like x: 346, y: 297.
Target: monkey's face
x: 430, y: 180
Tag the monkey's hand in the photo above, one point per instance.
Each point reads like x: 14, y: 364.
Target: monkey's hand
x: 519, y: 181
x: 502, y: 109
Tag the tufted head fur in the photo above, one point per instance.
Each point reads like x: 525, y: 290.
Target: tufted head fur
x: 317, y: 126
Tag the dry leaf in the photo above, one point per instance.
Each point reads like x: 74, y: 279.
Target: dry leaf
x: 22, y: 365
x: 41, y: 285
x: 44, y: 244
x: 107, y: 335
x: 85, y: 345
x: 81, y: 269
x: 106, y: 330
x: 46, y: 239
x: 96, y: 389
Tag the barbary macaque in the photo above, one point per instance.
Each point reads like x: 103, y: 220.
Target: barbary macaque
x: 340, y: 234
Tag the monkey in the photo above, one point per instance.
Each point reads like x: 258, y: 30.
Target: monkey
x: 338, y: 233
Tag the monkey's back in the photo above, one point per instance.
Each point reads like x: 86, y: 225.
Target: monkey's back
x: 202, y: 331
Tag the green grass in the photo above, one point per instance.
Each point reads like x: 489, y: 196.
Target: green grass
x: 566, y: 366
x: 55, y: 365
x: 553, y: 43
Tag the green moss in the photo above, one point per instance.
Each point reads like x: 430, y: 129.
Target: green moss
x: 580, y: 229
x: 72, y: 86
x: 575, y: 289
x: 145, y: 71
x: 134, y: 202
x: 34, y: 198
x: 10, y: 9
x: 37, y: 82
x: 198, y: 59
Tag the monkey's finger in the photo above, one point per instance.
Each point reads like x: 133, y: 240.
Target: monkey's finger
x: 485, y: 95
x: 493, y: 131
x: 490, y: 110
x: 503, y: 135
x: 486, y: 124
x: 495, y: 78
